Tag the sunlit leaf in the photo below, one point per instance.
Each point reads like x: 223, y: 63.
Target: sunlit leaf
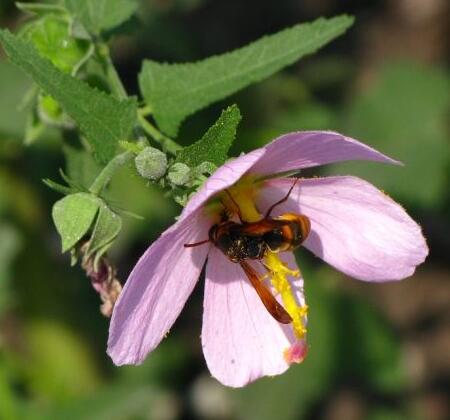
x: 101, y: 15
x: 215, y: 143
x: 80, y: 166
x: 102, y: 118
x: 50, y: 35
x: 107, y: 227
x: 175, y: 91
x: 73, y: 216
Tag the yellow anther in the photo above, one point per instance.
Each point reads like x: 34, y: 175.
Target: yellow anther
x: 243, y: 195
x: 303, y: 310
x: 279, y: 271
x: 286, y: 270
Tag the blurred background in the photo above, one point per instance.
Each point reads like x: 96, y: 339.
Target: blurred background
x: 377, y: 351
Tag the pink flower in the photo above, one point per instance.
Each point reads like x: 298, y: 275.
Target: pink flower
x: 354, y: 227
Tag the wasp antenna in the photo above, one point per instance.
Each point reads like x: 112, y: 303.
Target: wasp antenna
x: 236, y: 204
x: 196, y: 244
x: 282, y: 200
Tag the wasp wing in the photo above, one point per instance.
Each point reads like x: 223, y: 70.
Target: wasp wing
x: 272, y: 305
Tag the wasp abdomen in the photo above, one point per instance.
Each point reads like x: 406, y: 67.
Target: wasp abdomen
x: 290, y: 233
x: 276, y: 240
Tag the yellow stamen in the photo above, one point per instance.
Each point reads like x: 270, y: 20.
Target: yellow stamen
x: 243, y: 195
x: 279, y: 272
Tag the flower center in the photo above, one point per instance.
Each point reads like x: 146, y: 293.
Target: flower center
x: 243, y: 196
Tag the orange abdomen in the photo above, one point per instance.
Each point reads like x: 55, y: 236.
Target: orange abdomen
x: 291, y: 230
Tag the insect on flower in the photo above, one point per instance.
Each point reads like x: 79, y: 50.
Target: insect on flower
x: 343, y: 220
x: 253, y: 240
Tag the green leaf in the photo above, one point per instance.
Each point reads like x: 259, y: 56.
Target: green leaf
x: 73, y: 216
x: 101, y: 15
x: 175, y: 91
x: 102, y: 118
x: 215, y: 143
x: 107, y: 227
x: 405, y: 115
x: 80, y: 166
x: 50, y: 113
x: 50, y: 35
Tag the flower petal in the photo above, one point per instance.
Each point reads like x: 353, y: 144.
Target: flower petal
x: 241, y: 341
x: 223, y: 178
x: 297, y: 150
x: 354, y: 226
x: 305, y: 149
x: 156, y: 291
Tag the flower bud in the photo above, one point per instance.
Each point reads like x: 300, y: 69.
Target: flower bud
x: 151, y: 163
x: 179, y: 174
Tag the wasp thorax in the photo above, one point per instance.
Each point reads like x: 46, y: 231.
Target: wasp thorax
x: 236, y: 246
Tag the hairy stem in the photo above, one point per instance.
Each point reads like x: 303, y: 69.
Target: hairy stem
x: 111, y: 73
x: 108, y: 171
x: 167, y: 144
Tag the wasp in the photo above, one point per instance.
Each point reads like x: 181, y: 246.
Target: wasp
x: 242, y: 241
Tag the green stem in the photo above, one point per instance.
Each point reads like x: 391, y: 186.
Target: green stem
x: 145, y: 110
x: 167, y: 144
x: 83, y: 61
x: 108, y: 171
x: 111, y: 73
x: 40, y: 8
